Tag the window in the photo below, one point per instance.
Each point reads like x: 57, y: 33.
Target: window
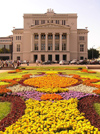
x: 18, y: 37
x: 42, y: 21
x: 57, y: 21
x: 64, y: 36
x: 50, y: 36
x: 63, y: 22
x: 36, y: 22
x: 43, y: 36
x: 18, y: 47
x: 49, y: 46
x: 63, y: 46
x: 18, y: 57
x: 81, y: 48
x: 57, y: 46
x: 81, y: 37
x: 57, y: 36
x: 36, y: 46
x: 43, y: 46
x: 36, y: 36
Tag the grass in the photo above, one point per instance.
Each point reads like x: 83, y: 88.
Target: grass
x: 97, y: 107
x: 5, y: 108
x: 43, y: 69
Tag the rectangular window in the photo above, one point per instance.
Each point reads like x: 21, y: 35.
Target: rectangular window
x: 81, y: 48
x: 63, y: 22
x: 57, y: 46
x: 57, y: 21
x: 36, y: 22
x: 35, y: 46
x: 49, y: 46
x: 18, y: 37
x: 57, y: 36
x: 18, y: 47
x: 42, y: 21
x: 36, y: 36
x: 81, y: 37
x: 63, y: 46
x: 64, y: 36
x: 42, y: 46
x: 50, y: 36
x: 43, y: 36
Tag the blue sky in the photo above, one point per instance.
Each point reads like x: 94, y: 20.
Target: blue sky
x: 88, y: 11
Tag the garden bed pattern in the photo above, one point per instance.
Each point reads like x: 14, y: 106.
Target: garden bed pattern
x: 50, y: 109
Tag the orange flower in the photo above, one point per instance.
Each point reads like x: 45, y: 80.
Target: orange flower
x: 91, y: 82
x: 51, y: 97
x: 85, y: 70
x: 51, y: 81
x: 97, y: 91
x: 5, y: 90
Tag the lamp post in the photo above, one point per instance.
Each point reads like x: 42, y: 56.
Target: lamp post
x: 92, y: 51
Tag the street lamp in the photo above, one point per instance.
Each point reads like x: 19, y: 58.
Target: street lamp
x: 92, y: 51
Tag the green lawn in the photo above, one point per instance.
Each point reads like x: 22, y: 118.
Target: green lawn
x: 43, y: 69
x: 97, y: 107
x: 5, y: 108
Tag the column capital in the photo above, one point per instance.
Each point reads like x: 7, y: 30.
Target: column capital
x: 53, y: 33
x: 46, y: 33
x: 60, y: 33
x: 39, y: 33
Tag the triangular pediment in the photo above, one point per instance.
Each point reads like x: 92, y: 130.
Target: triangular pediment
x: 50, y: 25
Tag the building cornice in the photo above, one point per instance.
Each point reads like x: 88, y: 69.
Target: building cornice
x: 82, y: 31
x: 50, y: 25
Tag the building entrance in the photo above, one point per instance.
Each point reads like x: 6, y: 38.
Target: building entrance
x: 43, y: 58
x: 64, y: 57
x: 50, y: 57
x: 57, y: 57
x: 35, y: 58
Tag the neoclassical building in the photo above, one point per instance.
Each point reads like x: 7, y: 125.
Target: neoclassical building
x: 50, y: 36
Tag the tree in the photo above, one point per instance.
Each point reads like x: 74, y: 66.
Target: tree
x: 93, y: 53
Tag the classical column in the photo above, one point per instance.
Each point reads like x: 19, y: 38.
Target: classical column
x: 32, y: 42
x: 60, y: 42
x: 46, y: 41
x: 53, y: 41
x: 67, y: 46
x: 39, y: 42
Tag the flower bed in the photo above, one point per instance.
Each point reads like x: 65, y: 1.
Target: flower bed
x: 17, y: 110
x: 51, y: 81
x: 51, y: 108
x: 48, y: 117
x: 85, y: 105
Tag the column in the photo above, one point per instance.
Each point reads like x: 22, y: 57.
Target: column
x: 32, y: 42
x: 53, y: 41
x: 46, y: 41
x: 60, y: 42
x: 67, y: 46
x: 39, y: 42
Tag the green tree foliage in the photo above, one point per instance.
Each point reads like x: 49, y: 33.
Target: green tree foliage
x: 93, y: 53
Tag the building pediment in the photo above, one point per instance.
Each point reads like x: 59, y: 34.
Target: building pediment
x: 50, y: 25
